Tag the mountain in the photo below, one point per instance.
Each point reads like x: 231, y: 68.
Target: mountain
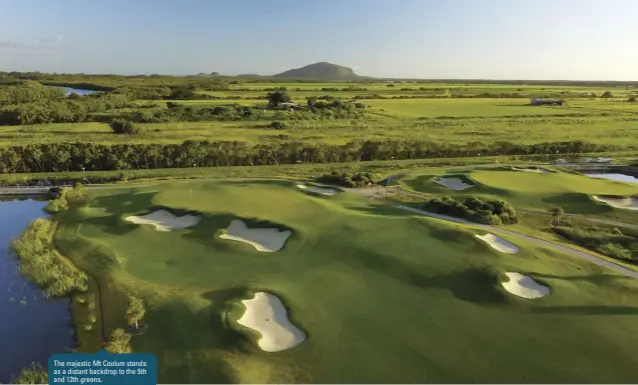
x: 320, y: 71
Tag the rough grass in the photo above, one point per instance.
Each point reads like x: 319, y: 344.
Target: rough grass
x: 441, y: 120
x: 384, y: 296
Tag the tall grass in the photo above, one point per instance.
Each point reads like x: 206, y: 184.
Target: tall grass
x: 41, y: 263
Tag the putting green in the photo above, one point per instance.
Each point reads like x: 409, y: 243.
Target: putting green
x: 382, y: 296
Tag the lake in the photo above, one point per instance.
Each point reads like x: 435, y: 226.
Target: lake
x: 616, y: 177
x: 32, y: 327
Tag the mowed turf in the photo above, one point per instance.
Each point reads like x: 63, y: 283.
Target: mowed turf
x: 383, y: 296
x: 533, y: 191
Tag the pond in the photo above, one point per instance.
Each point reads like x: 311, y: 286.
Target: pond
x: 616, y: 177
x: 32, y: 327
x: 78, y: 91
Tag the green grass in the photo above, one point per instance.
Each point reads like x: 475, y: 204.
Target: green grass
x: 454, y: 121
x: 383, y: 296
x: 532, y: 191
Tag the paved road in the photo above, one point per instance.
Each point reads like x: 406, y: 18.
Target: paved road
x: 540, y: 242
x: 373, y: 193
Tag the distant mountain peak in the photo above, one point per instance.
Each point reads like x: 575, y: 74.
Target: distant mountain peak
x: 320, y: 71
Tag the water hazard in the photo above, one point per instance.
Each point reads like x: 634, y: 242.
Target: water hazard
x: 32, y: 327
x: 616, y: 177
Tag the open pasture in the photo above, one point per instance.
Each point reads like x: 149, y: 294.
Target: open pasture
x: 453, y: 121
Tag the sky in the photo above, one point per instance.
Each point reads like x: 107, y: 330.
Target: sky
x: 429, y: 39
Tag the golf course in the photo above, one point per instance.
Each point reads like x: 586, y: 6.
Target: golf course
x: 528, y: 188
x: 264, y: 281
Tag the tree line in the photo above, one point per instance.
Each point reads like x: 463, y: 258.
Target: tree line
x: 59, y: 157
x: 28, y: 91
x: 66, y: 110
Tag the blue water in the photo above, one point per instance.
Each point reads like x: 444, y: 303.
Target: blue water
x: 78, y: 91
x: 616, y: 177
x: 32, y: 327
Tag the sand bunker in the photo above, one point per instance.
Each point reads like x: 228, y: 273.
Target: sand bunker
x: 536, y: 170
x: 164, y: 220
x: 317, y: 190
x: 266, y: 314
x: 267, y: 240
x: 499, y: 243
x: 619, y: 203
x: 523, y: 286
x: 453, y: 183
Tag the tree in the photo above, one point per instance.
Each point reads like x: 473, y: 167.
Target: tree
x: 121, y: 126
x: 277, y: 97
x: 34, y: 374
x: 77, y: 186
x: 119, y: 342
x: 278, y: 125
x: 607, y: 94
x: 557, y: 213
x: 391, y: 85
x: 632, y: 99
x: 135, y: 311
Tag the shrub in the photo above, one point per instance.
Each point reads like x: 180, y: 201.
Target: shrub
x: 39, y: 261
x: 632, y: 99
x: 278, y: 125
x: 121, y: 126
x: 58, y: 204
x: 610, y: 241
x: 359, y: 179
x: 34, y: 374
x: 473, y: 209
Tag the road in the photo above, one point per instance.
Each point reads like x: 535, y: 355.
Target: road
x: 539, y: 242
x: 379, y: 193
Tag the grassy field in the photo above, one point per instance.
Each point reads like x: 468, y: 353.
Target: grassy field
x: 454, y: 121
x: 532, y: 191
x: 383, y: 296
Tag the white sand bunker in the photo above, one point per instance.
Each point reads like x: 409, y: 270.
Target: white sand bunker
x: 453, y: 183
x: 499, y: 243
x: 523, y: 286
x: 317, y: 190
x: 267, y: 240
x: 536, y: 170
x: 267, y: 315
x: 164, y: 220
x: 619, y: 203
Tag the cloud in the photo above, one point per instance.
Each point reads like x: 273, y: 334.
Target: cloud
x: 42, y: 42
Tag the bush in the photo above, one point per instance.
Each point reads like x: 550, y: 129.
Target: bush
x: 39, y: 261
x: 277, y: 125
x: 121, y: 126
x: 473, y: 209
x: 610, y: 241
x: 58, y: 204
x: 359, y: 179
x: 632, y: 99
x: 35, y: 374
